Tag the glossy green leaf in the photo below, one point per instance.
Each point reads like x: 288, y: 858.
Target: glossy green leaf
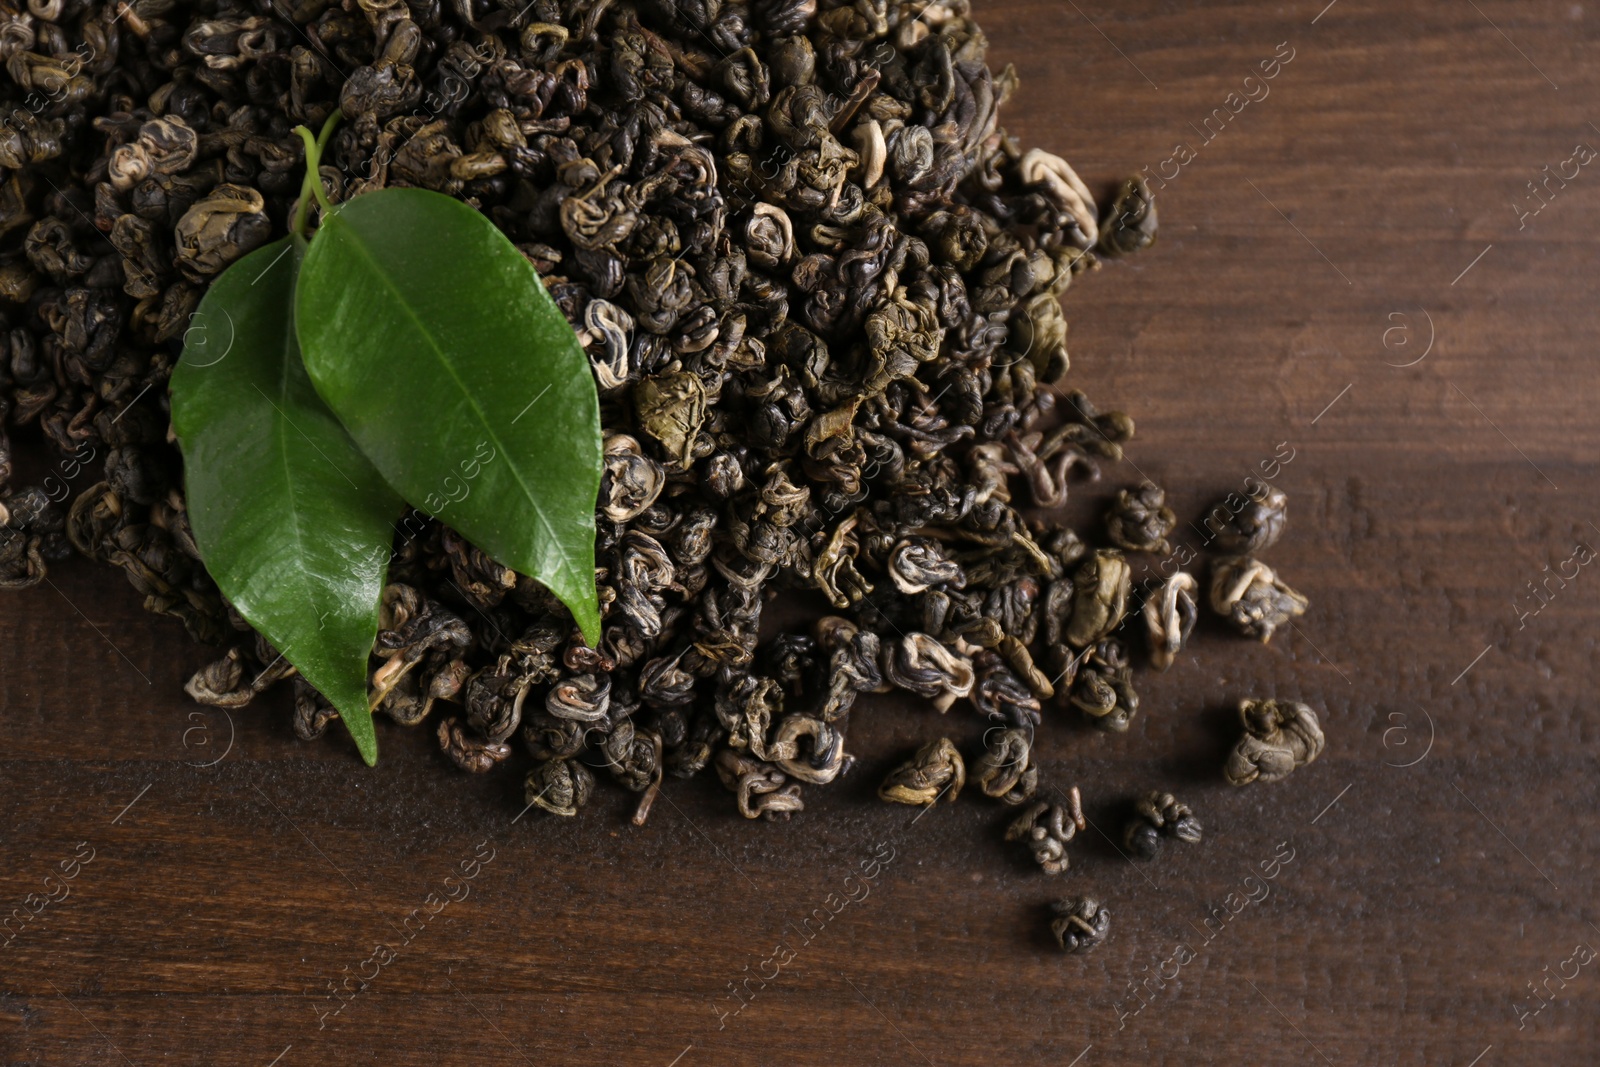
x: 436, y: 344
x: 292, y: 521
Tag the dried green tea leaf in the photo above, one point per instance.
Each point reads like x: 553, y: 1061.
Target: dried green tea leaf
x: 291, y: 519
x: 433, y: 339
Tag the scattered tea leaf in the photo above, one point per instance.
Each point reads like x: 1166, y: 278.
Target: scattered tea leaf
x: 434, y: 341
x: 291, y: 519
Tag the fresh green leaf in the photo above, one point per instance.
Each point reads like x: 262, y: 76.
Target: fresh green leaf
x: 291, y: 519
x: 434, y: 341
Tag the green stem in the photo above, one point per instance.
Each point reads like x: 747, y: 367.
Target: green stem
x: 327, y: 130
x: 311, y: 186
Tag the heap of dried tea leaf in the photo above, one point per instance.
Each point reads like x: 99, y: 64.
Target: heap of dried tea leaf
x: 817, y: 287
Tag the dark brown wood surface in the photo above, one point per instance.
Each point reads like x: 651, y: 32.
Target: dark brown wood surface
x: 1342, y: 272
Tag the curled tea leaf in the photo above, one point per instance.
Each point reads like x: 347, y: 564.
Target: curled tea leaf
x: 1065, y: 190
x: 218, y: 230
x: 1080, y: 924
x: 1006, y: 769
x: 1046, y: 828
x: 1279, y: 736
x: 1170, y: 616
x: 809, y: 749
x: 922, y: 665
x: 1139, y: 519
x: 671, y: 409
x: 559, y: 786
x: 1159, y: 813
x: 1102, y: 582
x: 1104, y: 691
x: 1256, y: 523
x: 758, y: 786
x: 1131, y: 223
x: 936, y: 770
x: 1250, y: 595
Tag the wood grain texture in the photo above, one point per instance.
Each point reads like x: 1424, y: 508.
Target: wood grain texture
x: 1418, y: 906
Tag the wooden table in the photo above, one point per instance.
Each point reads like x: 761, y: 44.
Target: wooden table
x: 1342, y: 272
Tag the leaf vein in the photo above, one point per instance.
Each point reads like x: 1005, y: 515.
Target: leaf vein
x: 438, y: 352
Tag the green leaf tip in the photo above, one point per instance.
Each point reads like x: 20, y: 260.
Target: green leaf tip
x: 366, y: 740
